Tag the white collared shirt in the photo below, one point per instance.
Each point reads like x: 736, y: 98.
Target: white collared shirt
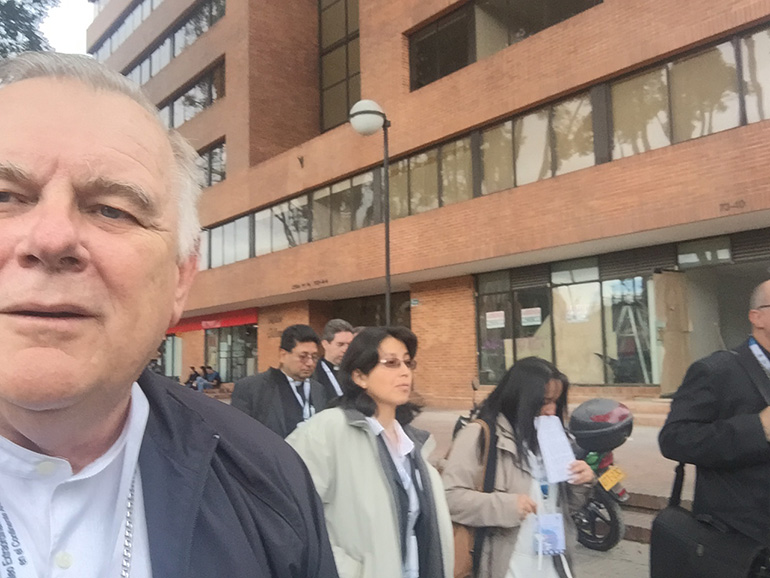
x: 400, y: 457
x: 58, y: 524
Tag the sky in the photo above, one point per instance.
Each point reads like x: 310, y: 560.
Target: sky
x: 65, y: 27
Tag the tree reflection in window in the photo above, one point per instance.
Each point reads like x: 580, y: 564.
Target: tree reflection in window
x: 640, y: 114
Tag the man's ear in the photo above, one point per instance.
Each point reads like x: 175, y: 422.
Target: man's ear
x: 755, y: 317
x: 359, y: 378
x: 187, y: 270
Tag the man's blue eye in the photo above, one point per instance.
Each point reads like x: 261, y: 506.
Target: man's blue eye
x: 4, y: 197
x: 111, y: 212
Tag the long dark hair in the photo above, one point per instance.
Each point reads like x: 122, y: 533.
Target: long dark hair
x: 519, y: 397
x: 363, y: 355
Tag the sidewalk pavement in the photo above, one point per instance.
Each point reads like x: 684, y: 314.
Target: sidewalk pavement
x: 627, y: 559
x: 647, y: 471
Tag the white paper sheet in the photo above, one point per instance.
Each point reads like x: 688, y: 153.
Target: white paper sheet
x: 555, y: 448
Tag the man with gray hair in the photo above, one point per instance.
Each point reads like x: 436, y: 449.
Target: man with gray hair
x: 336, y: 337
x: 720, y: 421
x: 106, y: 469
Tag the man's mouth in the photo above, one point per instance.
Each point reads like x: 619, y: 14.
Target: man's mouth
x: 51, y: 314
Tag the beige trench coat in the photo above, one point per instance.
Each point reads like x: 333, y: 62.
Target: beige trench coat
x: 360, y: 510
x: 497, y: 510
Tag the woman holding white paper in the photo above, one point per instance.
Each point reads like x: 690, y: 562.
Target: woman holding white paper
x: 528, y: 531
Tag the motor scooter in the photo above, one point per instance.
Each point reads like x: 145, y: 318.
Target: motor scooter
x: 599, y: 426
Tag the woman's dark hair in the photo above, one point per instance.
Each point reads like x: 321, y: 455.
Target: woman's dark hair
x: 363, y: 355
x: 519, y: 397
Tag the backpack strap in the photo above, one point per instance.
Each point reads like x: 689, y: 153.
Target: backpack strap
x: 487, y: 485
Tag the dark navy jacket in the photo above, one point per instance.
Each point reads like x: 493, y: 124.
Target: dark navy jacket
x: 223, y: 495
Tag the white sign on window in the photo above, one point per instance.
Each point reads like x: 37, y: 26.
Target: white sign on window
x: 495, y: 319
x: 531, y: 316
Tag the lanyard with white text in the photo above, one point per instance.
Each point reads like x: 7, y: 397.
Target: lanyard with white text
x: 332, y: 378
x: 760, y: 355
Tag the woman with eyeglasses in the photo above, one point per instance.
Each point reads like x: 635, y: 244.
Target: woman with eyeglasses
x: 384, y: 504
x: 524, y: 528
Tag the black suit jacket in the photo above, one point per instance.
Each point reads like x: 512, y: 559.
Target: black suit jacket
x: 714, y: 424
x: 223, y: 496
x: 258, y: 396
x: 322, y: 377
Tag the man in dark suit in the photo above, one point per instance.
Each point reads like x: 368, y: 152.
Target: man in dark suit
x: 720, y: 422
x: 336, y: 337
x: 285, y: 397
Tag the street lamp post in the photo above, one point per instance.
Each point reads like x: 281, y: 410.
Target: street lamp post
x: 366, y: 118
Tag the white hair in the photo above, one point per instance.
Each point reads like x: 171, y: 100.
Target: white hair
x: 187, y: 174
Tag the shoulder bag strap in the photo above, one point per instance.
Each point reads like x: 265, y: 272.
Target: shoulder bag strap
x: 488, y: 468
x: 676, y: 491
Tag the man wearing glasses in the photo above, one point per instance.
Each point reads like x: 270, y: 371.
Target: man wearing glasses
x: 285, y: 397
x: 720, y: 421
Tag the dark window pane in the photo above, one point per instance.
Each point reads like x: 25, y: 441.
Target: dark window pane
x: 333, y: 24
x: 218, y: 164
x: 217, y: 10
x: 335, y: 105
x: 424, y: 52
x: 333, y: 67
x: 354, y: 56
x: 454, y: 43
x: 354, y: 90
x: 495, y: 337
x: 352, y: 16
x: 218, y: 82
x: 532, y: 323
x: 495, y: 282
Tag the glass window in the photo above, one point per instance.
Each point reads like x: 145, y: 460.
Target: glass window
x: 493, y: 21
x: 423, y: 182
x: 756, y: 75
x: 145, y: 70
x: 497, y: 158
x: 640, y: 114
x: 533, y: 147
x: 193, y: 101
x: 532, y: 323
x: 456, y: 171
x: 627, y: 334
x: 573, y: 134
x: 281, y: 223
x: 341, y: 207
x: 217, y: 10
x: 322, y: 214
x: 262, y: 233
x: 243, y: 238
x: 575, y: 271
x: 577, y: 321
x: 335, y: 105
x: 495, y: 336
x: 704, y: 93
x: 165, y: 116
x: 364, y: 201
x: 228, y: 241
x: 232, y: 351
x: 218, y: 170
x: 217, y: 247
x: 146, y: 9
x: 203, y: 261
x: 704, y: 252
x: 399, y: 189
x: 155, y: 62
x: 218, y: 82
x: 165, y: 53
x: 441, y: 48
x: 333, y: 66
x: 180, y: 41
x: 333, y: 24
x: 352, y: 16
x: 496, y: 282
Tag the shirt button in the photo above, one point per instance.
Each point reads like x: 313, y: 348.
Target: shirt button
x: 63, y: 560
x: 46, y: 468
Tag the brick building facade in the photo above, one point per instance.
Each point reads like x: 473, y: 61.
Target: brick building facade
x: 599, y: 194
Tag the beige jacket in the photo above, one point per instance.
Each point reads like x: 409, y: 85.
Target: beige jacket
x: 344, y: 462
x: 497, y: 510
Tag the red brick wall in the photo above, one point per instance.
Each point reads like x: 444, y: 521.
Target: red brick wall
x: 444, y: 322
x: 272, y: 321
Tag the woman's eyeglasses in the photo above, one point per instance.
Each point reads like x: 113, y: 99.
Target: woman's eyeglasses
x: 395, y: 363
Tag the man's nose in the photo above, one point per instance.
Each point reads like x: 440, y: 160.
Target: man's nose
x: 52, y: 237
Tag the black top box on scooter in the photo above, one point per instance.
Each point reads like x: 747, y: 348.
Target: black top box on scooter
x: 601, y: 425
